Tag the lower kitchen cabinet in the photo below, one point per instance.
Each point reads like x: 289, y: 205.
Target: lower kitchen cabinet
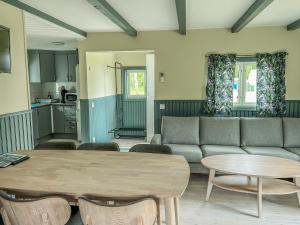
x: 58, y: 119
x: 42, y: 121
x: 64, y: 119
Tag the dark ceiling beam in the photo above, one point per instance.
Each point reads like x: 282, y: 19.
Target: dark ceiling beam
x: 44, y: 16
x: 181, y: 15
x: 257, y: 7
x: 106, y: 9
x: 294, y: 26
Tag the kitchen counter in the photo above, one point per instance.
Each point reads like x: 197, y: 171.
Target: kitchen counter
x: 38, y: 105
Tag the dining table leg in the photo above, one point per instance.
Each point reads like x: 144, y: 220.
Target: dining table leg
x: 177, y: 213
x: 169, y: 211
x: 210, y: 184
x: 297, y: 182
x: 259, y: 196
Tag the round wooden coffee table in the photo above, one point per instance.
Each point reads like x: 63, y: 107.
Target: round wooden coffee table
x: 254, y: 174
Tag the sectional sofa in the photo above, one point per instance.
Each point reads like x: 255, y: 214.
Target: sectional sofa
x: 199, y: 137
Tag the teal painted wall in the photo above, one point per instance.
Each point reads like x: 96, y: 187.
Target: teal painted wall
x: 97, y: 121
x: 16, y: 132
x: 132, y: 114
x: 196, y: 108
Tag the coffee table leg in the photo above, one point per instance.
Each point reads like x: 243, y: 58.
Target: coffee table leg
x: 297, y: 182
x: 177, y: 217
x: 169, y: 211
x: 210, y: 184
x: 259, y: 196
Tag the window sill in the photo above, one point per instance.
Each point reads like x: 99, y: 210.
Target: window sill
x: 244, y: 108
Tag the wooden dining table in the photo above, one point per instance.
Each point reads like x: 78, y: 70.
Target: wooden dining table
x: 100, y: 173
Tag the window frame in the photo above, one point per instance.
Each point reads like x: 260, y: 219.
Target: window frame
x: 126, y: 83
x: 241, y: 105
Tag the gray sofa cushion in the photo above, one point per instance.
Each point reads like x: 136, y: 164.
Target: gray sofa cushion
x: 209, y: 150
x: 294, y: 150
x: 192, y: 153
x: 271, y: 151
x: 291, y: 132
x: 220, y: 131
x: 180, y: 130
x: 261, y: 132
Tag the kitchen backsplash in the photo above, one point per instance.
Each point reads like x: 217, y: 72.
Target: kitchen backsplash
x: 41, y: 90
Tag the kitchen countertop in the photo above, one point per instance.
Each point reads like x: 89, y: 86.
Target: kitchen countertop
x: 38, y: 105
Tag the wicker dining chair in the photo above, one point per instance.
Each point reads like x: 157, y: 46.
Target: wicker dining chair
x: 109, y: 146
x: 42, y: 211
x: 67, y: 145
x: 151, y: 148
x: 143, y: 211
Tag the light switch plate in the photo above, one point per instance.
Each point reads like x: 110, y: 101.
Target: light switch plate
x: 94, y: 140
x: 162, y: 106
x: 93, y: 104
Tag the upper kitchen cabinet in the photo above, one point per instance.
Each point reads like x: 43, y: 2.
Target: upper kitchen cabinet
x: 61, y: 67
x: 34, y: 66
x: 72, y: 62
x: 47, y: 67
x: 65, y: 66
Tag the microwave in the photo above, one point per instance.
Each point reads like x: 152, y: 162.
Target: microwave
x: 71, y: 97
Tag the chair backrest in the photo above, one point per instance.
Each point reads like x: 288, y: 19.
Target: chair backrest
x: 151, y: 148
x: 43, y: 211
x: 56, y: 146
x: 142, y: 212
x: 110, y: 146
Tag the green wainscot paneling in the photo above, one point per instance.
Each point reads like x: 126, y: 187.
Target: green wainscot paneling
x: 98, y: 117
x: 16, y: 132
x: 196, y: 108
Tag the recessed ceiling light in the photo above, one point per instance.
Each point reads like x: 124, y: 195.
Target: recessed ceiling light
x: 58, y: 43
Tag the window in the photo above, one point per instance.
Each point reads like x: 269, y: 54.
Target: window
x: 244, y: 84
x: 135, y: 83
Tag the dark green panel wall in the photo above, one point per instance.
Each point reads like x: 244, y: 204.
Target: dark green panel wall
x: 16, y: 132
x: 196, y: 108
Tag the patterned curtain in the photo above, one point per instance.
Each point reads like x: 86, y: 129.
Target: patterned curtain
x: 271, y: 84
x: 219, y: 87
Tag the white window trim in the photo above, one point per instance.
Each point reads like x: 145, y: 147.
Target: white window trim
x: 127, y: 85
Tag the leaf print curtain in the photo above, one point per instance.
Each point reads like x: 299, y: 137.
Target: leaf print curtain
x: 219, y: 88
x: 271, y: 84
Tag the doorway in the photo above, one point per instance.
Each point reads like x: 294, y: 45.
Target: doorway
x: 127, y: 77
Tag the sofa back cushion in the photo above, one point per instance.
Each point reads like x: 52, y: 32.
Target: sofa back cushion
x: 265, y: 132
x: 180, y: 130
x: 220, y: 131
x: 291, y: 132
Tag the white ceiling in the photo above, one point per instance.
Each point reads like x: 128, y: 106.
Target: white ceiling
x: 152, y: 15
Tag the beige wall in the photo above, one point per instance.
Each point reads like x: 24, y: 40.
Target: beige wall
x: 131, y: 58
x: 14, y: 95
x: 182, y: 58
x: 100, y: 78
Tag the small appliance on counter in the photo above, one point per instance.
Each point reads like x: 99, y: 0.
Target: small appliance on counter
x: 70, y: 97
x: 63, y: 93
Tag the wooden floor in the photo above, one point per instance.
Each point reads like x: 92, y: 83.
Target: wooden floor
x: 230, y: 208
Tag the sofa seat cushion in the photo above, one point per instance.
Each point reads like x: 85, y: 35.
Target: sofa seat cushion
x: 209, y: 150
x: 265, y: 132
x: 220, y: 131
x: 294, y: 150
x: 192, y: 153
x: 291, y: 128
x: 271, y: 151
x: 180, y: 130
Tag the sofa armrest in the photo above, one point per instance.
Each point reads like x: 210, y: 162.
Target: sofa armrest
x: 156, y: 139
